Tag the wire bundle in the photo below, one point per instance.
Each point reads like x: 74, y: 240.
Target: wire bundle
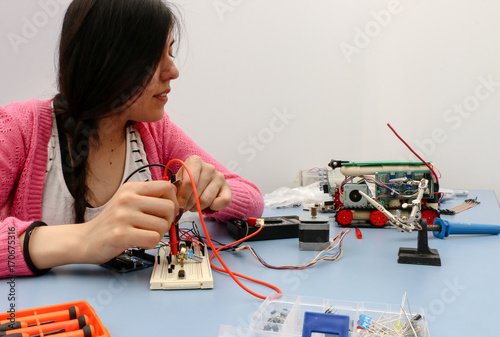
x: 332, y: 253
x: 225, y: 268
x: 464, y: 206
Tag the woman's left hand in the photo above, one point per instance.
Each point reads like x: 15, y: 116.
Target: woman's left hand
x: 213, y: 190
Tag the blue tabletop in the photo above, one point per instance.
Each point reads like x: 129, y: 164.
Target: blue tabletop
x: 460, y: 297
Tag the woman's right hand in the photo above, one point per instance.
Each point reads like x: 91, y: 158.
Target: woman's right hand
x: 138, y: 215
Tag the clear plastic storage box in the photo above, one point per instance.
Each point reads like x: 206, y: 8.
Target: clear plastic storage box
x: 284, y: 316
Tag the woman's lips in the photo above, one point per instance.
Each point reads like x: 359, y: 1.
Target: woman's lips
x: 162, y: 96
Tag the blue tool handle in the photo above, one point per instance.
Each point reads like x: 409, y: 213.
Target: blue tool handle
x: 448, y: 228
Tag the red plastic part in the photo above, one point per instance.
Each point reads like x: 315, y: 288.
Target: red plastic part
x: 337, y: 201
x: 430, y: 215
x: 377, y: 218
x: 344, y: 217
x: 172, y: 234
x: 252, y: 221
x: 358, y: 233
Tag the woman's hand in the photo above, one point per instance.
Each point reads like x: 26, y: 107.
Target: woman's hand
x: 138, y: 215
x: 213, y: 190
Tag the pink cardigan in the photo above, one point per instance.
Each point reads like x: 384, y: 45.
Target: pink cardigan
x: 25, y: 129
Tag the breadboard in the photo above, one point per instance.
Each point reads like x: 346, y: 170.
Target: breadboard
x: 197, y: 271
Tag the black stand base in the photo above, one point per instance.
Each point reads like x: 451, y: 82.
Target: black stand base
x: 422, y: 255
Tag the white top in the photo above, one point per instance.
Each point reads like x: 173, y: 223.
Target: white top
x: 57, y: 201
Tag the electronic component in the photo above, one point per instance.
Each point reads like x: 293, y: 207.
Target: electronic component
x: 314, y: 231
x: 130, y: 260
x: 352, y: 197
x: 193, y: 267
x: 282, y: 227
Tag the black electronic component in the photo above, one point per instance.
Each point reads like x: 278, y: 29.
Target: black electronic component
x: 130, y: 260
x: 283, y: 227
x: 318, y: 234
x: 314, y: 231
x: 446, y: 211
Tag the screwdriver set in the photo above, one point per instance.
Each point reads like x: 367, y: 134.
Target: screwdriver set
x: 73, y: 319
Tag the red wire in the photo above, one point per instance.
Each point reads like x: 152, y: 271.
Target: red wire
x: 408, y: 146
x: 216, y: 251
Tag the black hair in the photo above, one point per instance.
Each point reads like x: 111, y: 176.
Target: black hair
x: 108, y: 52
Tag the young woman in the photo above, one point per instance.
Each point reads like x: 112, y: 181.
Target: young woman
x: 63, y: 161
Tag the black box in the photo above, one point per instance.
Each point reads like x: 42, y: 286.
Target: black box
x: 281, y: 227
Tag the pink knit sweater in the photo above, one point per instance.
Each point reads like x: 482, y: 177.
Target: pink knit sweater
x: 25, y: 129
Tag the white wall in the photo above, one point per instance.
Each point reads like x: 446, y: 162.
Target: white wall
x: 270, y: 87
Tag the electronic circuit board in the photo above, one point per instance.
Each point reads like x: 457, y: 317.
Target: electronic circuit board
x: 191, y: 272
x: 130, y: 260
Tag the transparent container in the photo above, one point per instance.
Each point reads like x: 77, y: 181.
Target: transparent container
x: 284, y: 316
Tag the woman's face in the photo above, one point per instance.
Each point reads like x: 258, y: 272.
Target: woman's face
x: 149, y: 107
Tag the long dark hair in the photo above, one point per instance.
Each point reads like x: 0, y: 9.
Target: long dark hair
x: 108, y: 53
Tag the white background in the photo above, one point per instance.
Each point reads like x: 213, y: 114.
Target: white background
x: 270, y: 87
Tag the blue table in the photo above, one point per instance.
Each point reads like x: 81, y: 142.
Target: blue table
x: 460, y: 298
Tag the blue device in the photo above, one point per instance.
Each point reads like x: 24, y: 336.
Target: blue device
x: 448, y: 228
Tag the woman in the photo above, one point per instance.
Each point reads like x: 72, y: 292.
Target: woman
x: 64, y: 161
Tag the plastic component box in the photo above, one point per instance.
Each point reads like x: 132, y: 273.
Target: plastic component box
x: 284, y: 316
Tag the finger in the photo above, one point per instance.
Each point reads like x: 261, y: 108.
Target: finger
x: 223, y: 199
x: 145, y: 239
x: 208, y: 184
x: 122, y: 219
x: 156, y: 214
x: 185, y: 193
x: 158, y: 207
x: 154, y: 197
x: 211, y: 191
x: 124, y: 237
x: 156, y: 188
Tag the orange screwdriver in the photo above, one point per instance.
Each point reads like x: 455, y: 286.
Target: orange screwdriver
x: 49, y: 317
x: 87, y: 331
x: 71, y: 325
x: 13, y: 325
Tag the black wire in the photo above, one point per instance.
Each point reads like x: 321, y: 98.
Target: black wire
x: 142, y: 168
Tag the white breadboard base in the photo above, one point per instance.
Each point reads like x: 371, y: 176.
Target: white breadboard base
x: 197, y: 275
